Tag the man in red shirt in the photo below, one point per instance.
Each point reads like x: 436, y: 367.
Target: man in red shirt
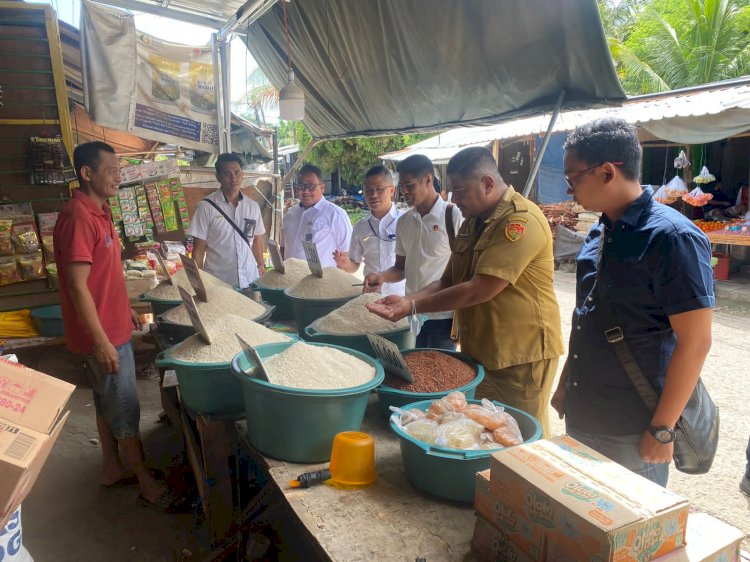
x: 99, y: 321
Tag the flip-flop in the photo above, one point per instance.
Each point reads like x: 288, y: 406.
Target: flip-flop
x: 122, y: 482
x: 166, y: 503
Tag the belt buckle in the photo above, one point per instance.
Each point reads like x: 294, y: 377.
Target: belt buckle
x: 614, y: 335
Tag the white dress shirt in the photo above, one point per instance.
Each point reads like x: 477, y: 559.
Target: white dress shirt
x: 374, y: 242
x: 423, y: 241
x: 228, y: 256
x: 324, y: 223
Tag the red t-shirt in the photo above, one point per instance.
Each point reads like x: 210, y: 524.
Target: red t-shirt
x: 85, y: 233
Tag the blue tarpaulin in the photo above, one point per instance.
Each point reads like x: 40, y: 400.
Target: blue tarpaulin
x: 551, y: 178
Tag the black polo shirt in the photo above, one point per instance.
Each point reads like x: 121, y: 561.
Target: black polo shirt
x: 655, y: 263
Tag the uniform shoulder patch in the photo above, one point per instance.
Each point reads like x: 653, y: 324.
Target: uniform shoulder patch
x: 514, y: 229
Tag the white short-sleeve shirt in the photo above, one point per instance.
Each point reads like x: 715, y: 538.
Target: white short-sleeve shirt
x: 228, y: 256
x: 324, y: 223
x: 423, y: 241
x: 374, y: 242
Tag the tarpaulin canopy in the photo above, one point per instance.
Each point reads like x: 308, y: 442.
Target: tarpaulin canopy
x: 392, y: 66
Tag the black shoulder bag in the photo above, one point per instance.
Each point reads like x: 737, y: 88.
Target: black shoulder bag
x: 698, y: 427
x: 449, y: 227
x: 230, y: 221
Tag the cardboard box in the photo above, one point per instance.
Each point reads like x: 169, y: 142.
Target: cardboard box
x: 588, y: 507
x: 31, y: 419
x: 493, y: 544
x: 708, y: 540
x: 528, y: 537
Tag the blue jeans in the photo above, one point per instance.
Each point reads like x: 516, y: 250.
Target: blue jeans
x: 623, y: 449
x: 437, y: 335
x: 116, y: 395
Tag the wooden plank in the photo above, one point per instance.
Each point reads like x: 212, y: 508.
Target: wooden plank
x: 728, y: 239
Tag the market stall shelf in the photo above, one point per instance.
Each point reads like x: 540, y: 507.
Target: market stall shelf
x: 732, y: 240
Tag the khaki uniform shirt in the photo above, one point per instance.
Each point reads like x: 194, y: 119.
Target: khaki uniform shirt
x: 521, y: 324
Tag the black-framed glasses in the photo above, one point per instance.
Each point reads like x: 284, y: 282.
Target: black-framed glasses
x: 307, y: 186
x: 570, y: 180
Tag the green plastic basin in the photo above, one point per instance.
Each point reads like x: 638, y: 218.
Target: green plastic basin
x: 208, y: 388
x: 180, y: 332
x: 159, y: 306
x: 277, y: 298
x: 307, y: 311
x: 298, y: 425
x: 389, y: 396
x: 403, y: 338
x: 450, y: 473
x: 48, y: 321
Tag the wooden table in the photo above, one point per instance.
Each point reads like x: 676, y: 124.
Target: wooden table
x: 389, y: 520
x: 728, y: 239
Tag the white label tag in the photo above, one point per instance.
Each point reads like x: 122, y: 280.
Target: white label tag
x: 163, y: 267
x: 273, y: 249
x: 170, y: 379
x: 313, y: 259
x: 195, y: 317
x: 194, y: 276
x: 390, y: 356
x: 254, y: 358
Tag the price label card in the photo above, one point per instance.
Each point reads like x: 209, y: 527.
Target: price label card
x: 195, y: 317
x: 273, y: 249
x: 390, y: 356
x: 313, y: 259
x: 163, y: 267
x: 254, y: 358
x: 194, y: 276
x: 170, y: 379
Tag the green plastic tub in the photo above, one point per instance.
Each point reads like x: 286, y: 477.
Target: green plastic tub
x: 159, y: 306
x: 402, y: 337
x: 307, y: 311
x: 48, y: 321
x: 277, y: 298
x: 298, y: 425
x: 450, y: 473
x: 180, y: 332
x: 208, y: 388
x: 389, y: 396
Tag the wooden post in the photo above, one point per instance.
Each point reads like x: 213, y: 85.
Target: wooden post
x: 496, y: 152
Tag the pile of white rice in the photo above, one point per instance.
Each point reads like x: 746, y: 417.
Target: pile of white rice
x: 221, y: 301
x: 294, y: 270
x: 354, y: 318
x: 335, y: 283
x: 170, y: 292
x: 224, y: 345
x: 315, y: 367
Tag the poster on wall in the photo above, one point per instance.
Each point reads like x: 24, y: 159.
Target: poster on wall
x: 175, y: 94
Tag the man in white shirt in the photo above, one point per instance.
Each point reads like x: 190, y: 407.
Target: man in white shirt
x: 374, y: 237
x: 228, y: 228
x: 422, y: 248
x: 315, y: 219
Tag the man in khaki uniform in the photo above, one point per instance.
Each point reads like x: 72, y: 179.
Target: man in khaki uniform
x: 500, y: 283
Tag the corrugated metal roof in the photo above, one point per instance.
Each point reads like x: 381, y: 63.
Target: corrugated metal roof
x: 640, y: 110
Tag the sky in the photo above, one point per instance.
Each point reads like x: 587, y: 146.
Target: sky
x: 242, y: 62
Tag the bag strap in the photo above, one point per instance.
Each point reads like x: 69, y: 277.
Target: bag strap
x: 449, y: 226
x: 616, y: 337
x: 230, y: 221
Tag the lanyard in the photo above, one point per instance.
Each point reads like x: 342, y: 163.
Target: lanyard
x: 391, y: 237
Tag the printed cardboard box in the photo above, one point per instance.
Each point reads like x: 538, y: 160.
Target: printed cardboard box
x: 31, y: 419
x: 492, y: 544
x: 589, y: 508
x: 527, y: 536
x: 708, y: 540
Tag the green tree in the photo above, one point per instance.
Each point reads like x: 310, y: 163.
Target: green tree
x: 261, y: 97
x: 667, y: 44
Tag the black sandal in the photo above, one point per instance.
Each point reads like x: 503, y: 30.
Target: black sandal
x: 166, y: 503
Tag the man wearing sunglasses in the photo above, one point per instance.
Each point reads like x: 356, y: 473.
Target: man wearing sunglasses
x: 374, y: 236
x: 315, y: 219
x: 643, y: 277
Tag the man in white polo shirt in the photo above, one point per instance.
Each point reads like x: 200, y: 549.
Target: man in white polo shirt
x: 315, y: 219
x: 228, y: 228
x: 374, y: 236
x: 422, y: 248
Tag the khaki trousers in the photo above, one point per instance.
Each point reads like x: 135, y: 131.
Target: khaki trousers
x: 526, y: 387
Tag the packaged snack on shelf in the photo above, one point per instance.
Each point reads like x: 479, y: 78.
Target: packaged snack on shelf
x: 46, y: 222
x: 25, y: 238
x: 8, y: 271
x: 48, y: 245
x: 30, y: 266
x: 115, y: 209
x: 6, y: 244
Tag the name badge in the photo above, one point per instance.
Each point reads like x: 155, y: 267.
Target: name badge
x: 249, y: 229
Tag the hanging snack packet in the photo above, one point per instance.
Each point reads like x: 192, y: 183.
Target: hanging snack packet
x: 6, y: 245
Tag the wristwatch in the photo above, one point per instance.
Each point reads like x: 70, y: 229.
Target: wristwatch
x: 662, y: 433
